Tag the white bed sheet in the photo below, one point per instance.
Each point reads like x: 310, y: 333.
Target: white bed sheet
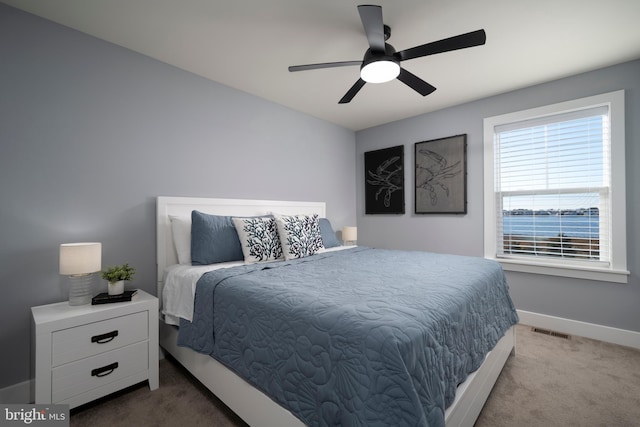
x: 180, y: 282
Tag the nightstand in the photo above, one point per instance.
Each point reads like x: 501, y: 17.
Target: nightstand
x: 85, y: 352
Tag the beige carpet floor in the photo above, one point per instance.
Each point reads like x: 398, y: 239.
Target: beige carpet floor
x: 550, y: 381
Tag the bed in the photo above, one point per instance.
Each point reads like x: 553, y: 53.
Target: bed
x: 237, y: 382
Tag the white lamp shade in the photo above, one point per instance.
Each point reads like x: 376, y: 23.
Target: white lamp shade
x: 380, y: 71
x: 80, y: 258
x: 349, y: 234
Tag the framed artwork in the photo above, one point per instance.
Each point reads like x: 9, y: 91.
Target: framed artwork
x: 384, y: 181
x: 441, y: 176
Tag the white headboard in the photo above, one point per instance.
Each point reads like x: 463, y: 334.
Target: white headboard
x: 182, y: 206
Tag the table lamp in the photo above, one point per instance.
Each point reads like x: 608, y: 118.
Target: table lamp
x: 349, y: 234
x: 79, y: 261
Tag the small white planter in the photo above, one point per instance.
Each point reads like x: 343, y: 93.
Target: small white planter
x: 116, y: 288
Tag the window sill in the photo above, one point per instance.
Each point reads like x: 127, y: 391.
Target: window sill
x: 577, y: 272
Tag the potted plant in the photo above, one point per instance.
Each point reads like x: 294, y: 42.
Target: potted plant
x: 116, y: 277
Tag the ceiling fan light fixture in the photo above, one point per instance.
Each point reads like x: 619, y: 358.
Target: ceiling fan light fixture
x: 380, y: 71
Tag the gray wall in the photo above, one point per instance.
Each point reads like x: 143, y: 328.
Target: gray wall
x: 608, y: 304
x: 91, y: 133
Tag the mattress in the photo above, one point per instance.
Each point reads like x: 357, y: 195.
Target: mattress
x: 358, y: 337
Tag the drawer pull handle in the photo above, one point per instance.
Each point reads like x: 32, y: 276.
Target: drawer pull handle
x: 105, y: 370
x: 104, y: 338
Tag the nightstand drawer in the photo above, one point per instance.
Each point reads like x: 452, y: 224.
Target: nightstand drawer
x: 98, y: 337
x: 87, y: 374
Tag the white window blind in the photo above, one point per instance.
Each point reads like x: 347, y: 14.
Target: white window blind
x: 552, y: 186
x: 554, y: 189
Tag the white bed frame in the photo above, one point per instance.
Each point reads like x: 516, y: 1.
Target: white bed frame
x: 253, y: 406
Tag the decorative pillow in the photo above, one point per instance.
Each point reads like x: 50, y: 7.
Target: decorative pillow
x: 258, y: 238
x: 181, y: 232
x: 299, y: 235
x: 213, y: 239
x: 329, y: 239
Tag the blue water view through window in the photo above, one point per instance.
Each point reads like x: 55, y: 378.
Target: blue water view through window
x: 552, y: 225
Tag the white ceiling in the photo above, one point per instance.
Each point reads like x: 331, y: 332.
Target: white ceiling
x: 248, y: 45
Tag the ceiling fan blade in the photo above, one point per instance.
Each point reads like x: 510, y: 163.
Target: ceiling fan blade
x: 352, y: 92
x: 323, y: 65
x: 474, y: 38
x: 415, y: 82
x: 371, y: 17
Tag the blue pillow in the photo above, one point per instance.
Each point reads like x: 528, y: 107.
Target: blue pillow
x: 329, y: 238
x: 213, y: 239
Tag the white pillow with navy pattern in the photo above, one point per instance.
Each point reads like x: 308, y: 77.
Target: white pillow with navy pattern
x: 299, y: 235
x: 258, y: 238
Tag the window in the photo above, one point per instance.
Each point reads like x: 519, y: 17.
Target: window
x: 555, y: 189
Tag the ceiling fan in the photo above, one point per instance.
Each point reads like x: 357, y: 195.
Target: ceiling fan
x: 381, y: 62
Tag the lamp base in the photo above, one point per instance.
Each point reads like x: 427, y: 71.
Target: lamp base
x: 80, y: 289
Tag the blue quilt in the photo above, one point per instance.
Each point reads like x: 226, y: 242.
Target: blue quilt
x: 360, y: 337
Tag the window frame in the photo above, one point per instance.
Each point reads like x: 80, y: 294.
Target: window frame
x: 616, y: 271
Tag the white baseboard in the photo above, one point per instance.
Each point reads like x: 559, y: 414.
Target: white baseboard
x: 18, y: 393
x: 582, y: 329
